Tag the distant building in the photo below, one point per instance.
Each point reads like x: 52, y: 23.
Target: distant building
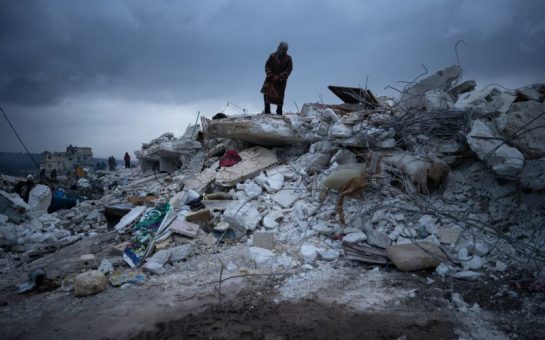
x: 68, y: 160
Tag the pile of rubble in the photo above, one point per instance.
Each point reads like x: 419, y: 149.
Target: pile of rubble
x: 445, y: 177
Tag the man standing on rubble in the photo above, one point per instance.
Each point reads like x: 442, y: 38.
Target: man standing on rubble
x: 127, y: 160
x: 278, y: 68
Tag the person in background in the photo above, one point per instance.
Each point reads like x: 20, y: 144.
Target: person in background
x: 28, y: 186
x: 111, y: 163
x: 278, y: 68
x: 127, y: 160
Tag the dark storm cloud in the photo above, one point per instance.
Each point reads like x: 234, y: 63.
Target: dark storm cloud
x: 77, y: 63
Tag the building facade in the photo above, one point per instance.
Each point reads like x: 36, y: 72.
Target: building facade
x: 68, y: 160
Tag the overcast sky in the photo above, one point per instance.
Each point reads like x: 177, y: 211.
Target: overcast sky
x: 114, y: 74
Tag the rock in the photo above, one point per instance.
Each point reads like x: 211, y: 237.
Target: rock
x: 442, y: 80
x: 322, y: 228
x: 459, y: 302
x: 501, y: 266
x: 443, y: 270
x: 475, y: 263
x: 428, y: 222
x: 467, y: 275
x: 88, y: 261
x: 261, y: 257
x: 241, y: 216
x: 89, y: 283
x: 311, y: 163
x: 340, y: 130
x: 106, y: 267
x: 264, y: 240
x: 161, y: 257
x: 531, y: 142
x: 436, y: 100
x: 39, y: 199
x: 534, y: 92
x: 270, y: 221
x: 330, y: 254
x: 179, y: 253
x: 286, y: 198
x: 532, y: 175
x: 274, y: 182
x: 310, y: 252
x: 377, y: 238
x: 154, y: 267
x: 182, y: 227
x: 409, y: 257
x: 504, y: 161
x: 356, y: 237
x: 479, y: 248
x: 251, y: 189
x: 343, y: 156
x: 489, y: 99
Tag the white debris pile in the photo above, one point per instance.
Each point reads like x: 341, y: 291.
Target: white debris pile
x: 446, y: 178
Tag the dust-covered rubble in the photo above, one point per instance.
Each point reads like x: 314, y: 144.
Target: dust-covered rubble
x: 444, y: 177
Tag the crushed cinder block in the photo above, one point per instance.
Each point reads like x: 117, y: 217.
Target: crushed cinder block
x: 264, y: 240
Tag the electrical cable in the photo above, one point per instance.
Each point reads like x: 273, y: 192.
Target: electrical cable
x: 20, y: 140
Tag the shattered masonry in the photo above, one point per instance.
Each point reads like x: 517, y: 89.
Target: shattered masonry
x: 446, y: 177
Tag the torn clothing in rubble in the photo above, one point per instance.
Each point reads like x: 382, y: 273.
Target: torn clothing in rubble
x: 230, y: 158
x: 278, y: 68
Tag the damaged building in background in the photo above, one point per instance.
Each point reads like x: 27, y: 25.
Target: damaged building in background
x: 446, y: 179
x: 67, y: 160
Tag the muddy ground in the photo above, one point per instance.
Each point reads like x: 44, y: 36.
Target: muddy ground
x: 331, y: 301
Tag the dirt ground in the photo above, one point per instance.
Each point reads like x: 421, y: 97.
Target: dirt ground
x: 341, y: 300
x: 306, y: 319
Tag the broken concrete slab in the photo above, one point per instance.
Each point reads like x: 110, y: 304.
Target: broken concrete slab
x: 254, y: 161
x: 410, y: 257
x: 285, y: 198
x: 241, y: 216
x: 261, y: 257
x: 442, y: 80
x: 524, y: 126
x: 183, y: 227
x: 466, y: 86
x: 166, y: 152
x: 310, y: 252
x: 129, y: 218
x: 180, y: 253
x: 201, y: 181
x: 436, y: 100
x: 489, y: 99
x: 266, y: 130
x: 489, y: 147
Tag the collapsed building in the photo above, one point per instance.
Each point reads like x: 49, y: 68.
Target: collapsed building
x: 446, y: 178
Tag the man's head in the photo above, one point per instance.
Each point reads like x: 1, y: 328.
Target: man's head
x: 283, y: 48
